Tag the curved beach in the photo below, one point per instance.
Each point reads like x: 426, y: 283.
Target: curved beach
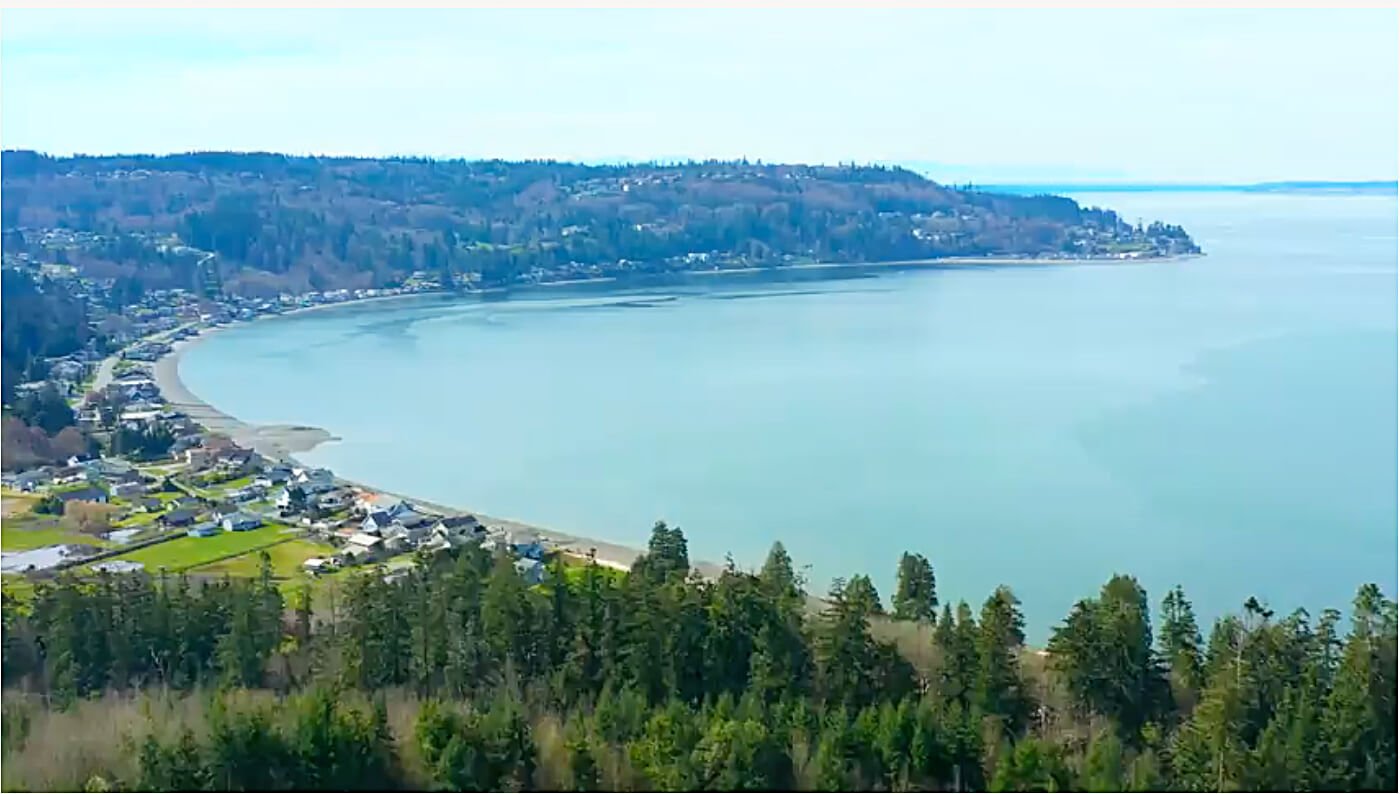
x: 284, y: 442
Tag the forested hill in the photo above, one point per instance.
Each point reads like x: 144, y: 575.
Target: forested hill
x: 283, y: 223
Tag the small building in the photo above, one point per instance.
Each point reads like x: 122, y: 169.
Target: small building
x: 181, y: 517
x: 273, y: 476
x: 28, y: 481
x: 149, y: 504
x: 88, y: 494
x: 241, y: 522
x: 67, y: 475
x: 531, y: 570
x: 317, y: 565
x: 203, y: 530
x: 128, y: 488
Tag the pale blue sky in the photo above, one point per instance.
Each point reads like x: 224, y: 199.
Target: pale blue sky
x: 993, y: 95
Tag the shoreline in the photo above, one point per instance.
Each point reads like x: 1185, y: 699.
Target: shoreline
x: 284, y: 441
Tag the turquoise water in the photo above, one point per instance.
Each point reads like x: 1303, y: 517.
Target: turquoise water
x: 1227, y: 423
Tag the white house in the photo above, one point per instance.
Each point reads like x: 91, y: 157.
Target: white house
x: 241, y: 522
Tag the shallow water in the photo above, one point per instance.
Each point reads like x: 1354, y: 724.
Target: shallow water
x: 1227, y: 423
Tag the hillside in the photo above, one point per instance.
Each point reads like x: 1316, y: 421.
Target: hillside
x: 279, y: 223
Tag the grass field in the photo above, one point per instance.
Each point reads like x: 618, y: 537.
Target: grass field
x: 23, y: 536
x: 287, y: 558
x: 185, y: 553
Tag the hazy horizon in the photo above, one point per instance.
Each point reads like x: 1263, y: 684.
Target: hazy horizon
x: 1127, y: 96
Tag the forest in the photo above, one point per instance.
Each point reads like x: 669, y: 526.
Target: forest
x: 457, y: 675
x: 282, y: 223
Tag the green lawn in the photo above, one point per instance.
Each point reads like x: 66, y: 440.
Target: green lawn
x: 287, y: 558
x: 136, y: 520
x: 187, y: 552
x: 22, y: 536
x: 233, y: 485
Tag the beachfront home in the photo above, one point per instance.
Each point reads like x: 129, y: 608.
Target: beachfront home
x: 525, y: 543
x: 376, y: 523
x: 381, y: 503
x: 273, y: 476
x: 458, y: 530
x: 241, y: 522
x: 333, y: 500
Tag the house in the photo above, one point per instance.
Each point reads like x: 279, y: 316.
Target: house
x: 179, y: 518
x: 241, y: 522
x: 317, y: 565
x: 382, y: 503
x: 531, y: 570
x: 128, y: 488
x: 273, y: 476
x: 203, y: 530
x: 333, y: 500
x: 376, y: 523
x: 150, y: 505
x: 187, y: 503
x: 88, y: 494
x: 198, y: 457
x: 247, y: 494
x: 361, y: 548
x: 67, y: 475
x: 28, y: 481
x: 304, y: 476
x: 458, y: 530
x: 526, y: 544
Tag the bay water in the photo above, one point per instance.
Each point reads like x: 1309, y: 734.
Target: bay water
x: 1227, y: 422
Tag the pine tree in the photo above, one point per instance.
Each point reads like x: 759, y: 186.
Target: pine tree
x: 915, y: 596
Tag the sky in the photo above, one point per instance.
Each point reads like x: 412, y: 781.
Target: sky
x: 992, y: 95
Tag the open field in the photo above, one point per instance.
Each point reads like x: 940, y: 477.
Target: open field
x: 186, y: 553
x: 287, y: 558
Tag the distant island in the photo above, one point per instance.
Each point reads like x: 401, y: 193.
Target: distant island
x: 259, y: 224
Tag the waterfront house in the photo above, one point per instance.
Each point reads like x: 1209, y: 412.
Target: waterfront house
x: 273, y: 476
x: 333, y: 500
x: 241, y: 522
x: 458, y: 530
x: 203, y: 530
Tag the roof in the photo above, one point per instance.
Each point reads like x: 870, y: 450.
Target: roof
x: 452, y: 522
x: 364, y: 539
x: 82, y: 495
x: 379, y: 517
x: 175, y: 516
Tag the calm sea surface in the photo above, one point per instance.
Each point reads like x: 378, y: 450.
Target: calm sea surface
x: 1227, y: 423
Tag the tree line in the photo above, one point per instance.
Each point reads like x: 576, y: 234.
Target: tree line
x: 458, y: 675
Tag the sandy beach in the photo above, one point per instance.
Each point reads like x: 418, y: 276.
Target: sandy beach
x: 283, y: 442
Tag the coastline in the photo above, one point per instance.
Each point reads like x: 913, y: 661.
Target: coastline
x: 285, y: 442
